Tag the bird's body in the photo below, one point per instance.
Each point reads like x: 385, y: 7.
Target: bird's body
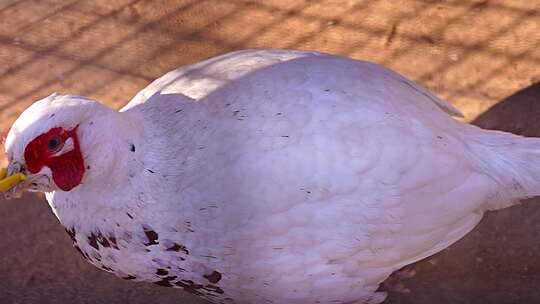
x: 282, y: 177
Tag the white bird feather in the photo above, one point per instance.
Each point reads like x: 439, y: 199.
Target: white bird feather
x: 279, y: 176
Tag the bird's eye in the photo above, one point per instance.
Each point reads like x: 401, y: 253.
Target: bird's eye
x: 54, y: 144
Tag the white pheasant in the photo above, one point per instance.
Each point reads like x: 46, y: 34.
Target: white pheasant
x: 272, y: 176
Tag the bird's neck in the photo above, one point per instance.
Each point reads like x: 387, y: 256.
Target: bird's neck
x: 112, y: 148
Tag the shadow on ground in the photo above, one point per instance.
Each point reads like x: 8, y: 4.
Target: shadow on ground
x: 518, y: 113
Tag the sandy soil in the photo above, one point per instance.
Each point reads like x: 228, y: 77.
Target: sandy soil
x: 483, y: 56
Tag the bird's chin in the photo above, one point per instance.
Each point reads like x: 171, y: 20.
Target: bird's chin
x: 33, y: 183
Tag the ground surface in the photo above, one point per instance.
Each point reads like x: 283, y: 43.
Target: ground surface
x: 483, y: 56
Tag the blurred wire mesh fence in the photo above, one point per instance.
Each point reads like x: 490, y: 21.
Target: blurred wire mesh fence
x: 471, y: 52
x: 474, y: 53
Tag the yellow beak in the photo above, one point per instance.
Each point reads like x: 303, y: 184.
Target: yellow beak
x: 8, y: 182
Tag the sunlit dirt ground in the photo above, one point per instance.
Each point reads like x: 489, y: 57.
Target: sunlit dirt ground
x: 483, y: 56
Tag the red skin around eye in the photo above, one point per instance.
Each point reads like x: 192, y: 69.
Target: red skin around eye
x: 67, y: 169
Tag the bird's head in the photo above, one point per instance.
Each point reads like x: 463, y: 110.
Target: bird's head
x: 48, y: 146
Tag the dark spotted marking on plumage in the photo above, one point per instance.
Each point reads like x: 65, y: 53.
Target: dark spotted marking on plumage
x: 188, y: 227
x: 151, y: 171
x: 112, y: 239
x: 161, y: 272
x: 103, y: 241
x: 151, y: 235
x: 129, y: 215
x: 72, y: 233
x: 166, y: 281
x: 129, y: 277
x: 214, y: 277
x: 213, y: 288
x: 96, y: 256
x: 87, y: 167
x: 52, y: 115
x: 96, y: 239
x: 80, y: 251
x: 132, y: 147
x: 108, y: 269
x: 177, y: 247
x: 92, y: 241
x: 179, y: 110
x: 189, y: 286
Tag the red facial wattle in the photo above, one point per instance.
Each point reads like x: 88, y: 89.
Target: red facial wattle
x: 67, y: 168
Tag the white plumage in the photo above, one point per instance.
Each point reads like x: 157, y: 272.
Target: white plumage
x: 275, y: 176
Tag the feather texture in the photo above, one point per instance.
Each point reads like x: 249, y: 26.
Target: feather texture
x: 284, y: 176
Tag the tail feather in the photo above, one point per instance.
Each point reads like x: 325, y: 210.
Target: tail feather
x: 512, y: 160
